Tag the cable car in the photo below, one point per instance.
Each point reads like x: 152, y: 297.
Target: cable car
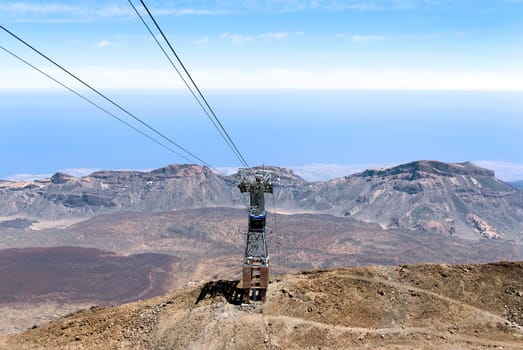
x: 257, y: 221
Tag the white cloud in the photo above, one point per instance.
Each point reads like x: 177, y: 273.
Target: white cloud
x: 323, y: 172
x: 367, y: 38
x: 272, y: 78
x: 280, y: 6
x: 47, y: 8
x: 505, y: 171
x: 227, y: 170
x: 241, y: 39
x: 109, y: 11
x: 102, y: 44
x: 77, y: 172
x: 202, y: 41
x: 361, y: 6
x: 27, y: 177
x: 274, y: 36
x: 85, y: 10
x: 236, y: 38
x: 360, y: 38
x: 57, y: 12
x: 188, y: 11
x: 284, y: 78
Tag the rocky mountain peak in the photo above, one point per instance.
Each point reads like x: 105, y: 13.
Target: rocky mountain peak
x: 169, y: 171
x: 61, y: 178
x: 423, y: 168
x: 182, y: 170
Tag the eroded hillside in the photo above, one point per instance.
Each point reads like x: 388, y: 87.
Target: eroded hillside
x: 458, y: 199
x: 402, y: 307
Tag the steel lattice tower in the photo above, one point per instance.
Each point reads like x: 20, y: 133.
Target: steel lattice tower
x: 255, y: 276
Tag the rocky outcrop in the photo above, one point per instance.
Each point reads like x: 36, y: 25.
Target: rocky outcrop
x: 61, y: 178
x: 484, y: 229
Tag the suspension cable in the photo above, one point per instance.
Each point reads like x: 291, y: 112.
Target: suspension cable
x: 179, y: 73
x: 95, y: 104
x: 219, y: 126
x: 106, y: 98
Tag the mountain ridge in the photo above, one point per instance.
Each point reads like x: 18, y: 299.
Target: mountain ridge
x: 451, y: 198
x: 431, y: 167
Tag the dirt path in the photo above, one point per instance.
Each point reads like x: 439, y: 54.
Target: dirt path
x: 487, y: 316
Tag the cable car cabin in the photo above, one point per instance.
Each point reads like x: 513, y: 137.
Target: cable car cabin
x: 257, y: 222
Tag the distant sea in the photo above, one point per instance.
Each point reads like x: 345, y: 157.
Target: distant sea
x: 44, y: 131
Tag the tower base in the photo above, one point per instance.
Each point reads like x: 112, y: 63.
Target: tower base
x: 255, y: 280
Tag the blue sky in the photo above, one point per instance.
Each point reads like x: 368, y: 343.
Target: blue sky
x: 331, y: 44
x: 471, y: 52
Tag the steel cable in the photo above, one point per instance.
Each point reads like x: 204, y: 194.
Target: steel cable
x: 217, y: 123
x: 93, y: 103
x: 108, y: 99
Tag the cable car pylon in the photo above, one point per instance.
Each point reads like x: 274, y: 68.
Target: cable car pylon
x: 255, y: 273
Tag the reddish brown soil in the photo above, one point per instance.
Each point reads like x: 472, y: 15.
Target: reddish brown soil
x: 81, y: 275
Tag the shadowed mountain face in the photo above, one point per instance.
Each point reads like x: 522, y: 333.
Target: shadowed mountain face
x: 455, y: 199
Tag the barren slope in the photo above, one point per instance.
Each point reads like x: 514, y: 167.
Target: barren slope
x: 453, y: 198
x: 404, y: 307
x: 300, y: 241
x: 189, y: 246
x: 81, y: 275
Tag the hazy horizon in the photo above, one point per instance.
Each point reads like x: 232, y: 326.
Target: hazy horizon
x: 315, y: 131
